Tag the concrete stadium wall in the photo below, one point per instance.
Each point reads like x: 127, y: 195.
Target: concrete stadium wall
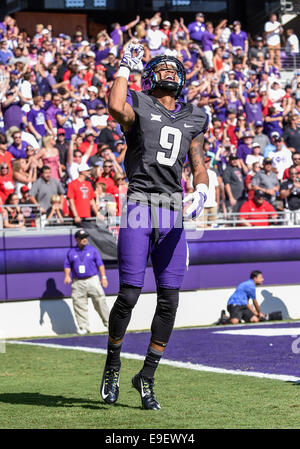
x: 40, y: 318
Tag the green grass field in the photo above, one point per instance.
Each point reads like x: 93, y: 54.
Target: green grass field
x: 44, y: 388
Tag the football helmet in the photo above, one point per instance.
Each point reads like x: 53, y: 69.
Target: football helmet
x: 151, y: 78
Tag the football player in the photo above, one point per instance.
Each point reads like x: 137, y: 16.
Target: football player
x: 160, y: 132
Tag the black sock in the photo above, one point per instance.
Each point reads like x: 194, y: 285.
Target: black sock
x: 151, y: 362
x: 113, y: 355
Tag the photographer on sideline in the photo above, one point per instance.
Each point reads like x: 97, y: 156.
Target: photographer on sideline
x: 238, y: 304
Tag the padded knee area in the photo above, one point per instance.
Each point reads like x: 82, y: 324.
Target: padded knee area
x: 121, y: 311
x: 163, y: 321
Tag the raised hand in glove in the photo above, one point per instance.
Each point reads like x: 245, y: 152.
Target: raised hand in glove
x: 198, y: 198
x: 132, y: 57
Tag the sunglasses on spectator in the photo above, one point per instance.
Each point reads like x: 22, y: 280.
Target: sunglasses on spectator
x: 4, y: 168
x: 107, y: 166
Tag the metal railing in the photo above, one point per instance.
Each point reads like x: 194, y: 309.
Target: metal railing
x: 289, y: 61
x: 245, y: 220
x: 34, y: 220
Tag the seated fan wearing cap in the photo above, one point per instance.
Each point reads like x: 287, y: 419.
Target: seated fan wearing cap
x: 161, y: 132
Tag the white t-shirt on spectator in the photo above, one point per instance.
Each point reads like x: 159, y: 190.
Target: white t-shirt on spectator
x: 251, y: 159
x: 274, y: 37
x: 99, y: 120
x: 292, y: 44
x: 155, y: 39
x: 72, y: 169
x: 281, y: 160
x: 211, y: 194
x: 30, y: 139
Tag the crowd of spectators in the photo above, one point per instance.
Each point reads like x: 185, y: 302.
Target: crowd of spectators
x: 61, y: 151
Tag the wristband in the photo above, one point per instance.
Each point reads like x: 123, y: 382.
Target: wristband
x: 202, y: 188
x: 124, y: 72
x: 103, y: 277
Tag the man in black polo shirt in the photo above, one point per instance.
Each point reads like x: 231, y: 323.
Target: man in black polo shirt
x: 291, y: 135
x: 234, y: 184
x: 290, y: 190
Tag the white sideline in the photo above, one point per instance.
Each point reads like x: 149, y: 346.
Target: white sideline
x: 173, y: 363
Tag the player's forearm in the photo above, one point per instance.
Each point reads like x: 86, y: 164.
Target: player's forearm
x: 117, y: 97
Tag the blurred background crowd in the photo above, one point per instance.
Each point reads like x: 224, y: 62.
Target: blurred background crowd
x: 62, y: 154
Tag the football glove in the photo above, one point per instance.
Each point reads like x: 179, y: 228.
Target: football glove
x: 198, y: 198
x: 133, y: 62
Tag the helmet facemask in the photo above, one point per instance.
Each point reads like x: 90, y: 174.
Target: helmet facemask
x: 151, y: 77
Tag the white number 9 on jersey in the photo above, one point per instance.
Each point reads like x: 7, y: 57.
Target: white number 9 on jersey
x: 168, y: 143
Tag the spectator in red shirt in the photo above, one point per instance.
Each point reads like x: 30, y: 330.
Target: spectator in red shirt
x: 5, y: 156
x: 257, y: 209
x: 81, y: 195
x: 296, y: 164
x: 255, y: 169
x: 7, y: 185
x: 89, y: 139
x: 107, y: 176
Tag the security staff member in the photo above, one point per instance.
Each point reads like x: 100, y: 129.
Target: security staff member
x: 81, y: 267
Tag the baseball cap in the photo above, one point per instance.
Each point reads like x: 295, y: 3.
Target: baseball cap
x: 199, y: 14
x: 89, y: 132
x: 247, y: 134
x: 61, y: 131
x: 101, y: 67
x: 93, y: 89
x: 259, y: 194
x: 255, y: 144
x: 233, y: 157
x: 81, y: 234
x: 275, y: 134
x: 166, y: 22
x: 83, y: 167
x: 154, y: 23
x: 267, y: 160
x: 24, y: 189
x: 110, y: 118
x: 252, y: 95
x: 259, y: 123
x: 78, y: 109
x: 259, y: 38
x: 236, y: 22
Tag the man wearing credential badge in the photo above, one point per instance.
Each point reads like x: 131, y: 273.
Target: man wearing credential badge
x: 82, y: 267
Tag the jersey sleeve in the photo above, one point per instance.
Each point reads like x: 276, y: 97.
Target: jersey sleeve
x: 201, y: 121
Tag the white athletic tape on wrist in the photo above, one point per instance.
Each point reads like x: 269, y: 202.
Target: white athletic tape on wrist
x: 202, y: 188
x: 124, y: 72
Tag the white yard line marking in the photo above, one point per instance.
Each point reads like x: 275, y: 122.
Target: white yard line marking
x: 175, y: 364
x: 266, y: 332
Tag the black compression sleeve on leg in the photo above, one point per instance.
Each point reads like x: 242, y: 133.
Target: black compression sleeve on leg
x: 121, y: 311
x: 164, y: 318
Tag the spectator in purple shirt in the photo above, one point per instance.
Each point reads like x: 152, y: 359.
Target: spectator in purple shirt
x: 197, y: 28
x: 51, y: 112
x: 92, y: 103
x: 208, y: 39
x: 18, y: 147
x: 238, y: 38
x: 65, y: 119
x: 253, y: 109
x: 12, y: 111
x: 117, y: 31
x: 246, y: 147
x: 37, y: 119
